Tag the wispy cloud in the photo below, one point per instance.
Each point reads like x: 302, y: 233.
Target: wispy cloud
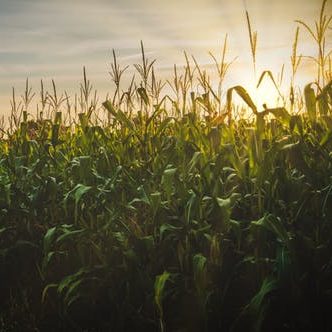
x: 45, y: 38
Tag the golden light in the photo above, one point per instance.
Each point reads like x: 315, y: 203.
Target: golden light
x: 266, y: 94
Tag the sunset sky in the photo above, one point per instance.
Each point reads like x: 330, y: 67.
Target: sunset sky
x: 55, y: 39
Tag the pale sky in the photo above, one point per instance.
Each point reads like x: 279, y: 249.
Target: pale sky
x: 45, y: 39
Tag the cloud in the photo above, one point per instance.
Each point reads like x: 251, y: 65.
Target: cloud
x: 46, y: 38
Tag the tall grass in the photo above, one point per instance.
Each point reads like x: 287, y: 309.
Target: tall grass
x: 165, y: 211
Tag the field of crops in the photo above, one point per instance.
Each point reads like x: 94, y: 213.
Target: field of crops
x: 169, y: 212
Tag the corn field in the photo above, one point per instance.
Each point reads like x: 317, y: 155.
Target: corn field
x: 155, y: 211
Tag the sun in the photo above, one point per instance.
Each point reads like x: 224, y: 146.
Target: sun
x: 265, y: 96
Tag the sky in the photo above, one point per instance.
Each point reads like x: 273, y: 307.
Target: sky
x: 46, y: 39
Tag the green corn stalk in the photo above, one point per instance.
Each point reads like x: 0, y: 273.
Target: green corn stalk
x: 159, y: 294
x: 310, y: 102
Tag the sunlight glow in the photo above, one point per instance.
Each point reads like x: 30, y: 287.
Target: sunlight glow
x: 166, y: 28
x: 266, y: 94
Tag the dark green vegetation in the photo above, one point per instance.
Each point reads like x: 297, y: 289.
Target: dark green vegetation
x: 173, y: 217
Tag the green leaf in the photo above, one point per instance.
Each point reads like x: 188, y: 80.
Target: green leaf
x: 290, y: 146
x: 323, y: 104
x: 280, y: 113
x: 78, y: 192
x: 326, y: 139
x: 199, y: 264
x: 257, y: 307
x: 241, y: 91
x: 200, y: 276
x: 163, y: 125
x: 48, y: 239
x: 143, y: 94
x: 159, y: 289
x: 296, y: 123
x: 310, y: 101
x: 197, y: 157
x: 226, y: 205
x: 168, y: 179
x: 46, y: 289
x: 69, y: 234
x: 168, y: 228
x: 65, y: 283
x: 267, y: 287
x: 274, y: 225
x: 323, y: 99
x: 155, y: 201
x: 120, y: 116
x: 142, y: 197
